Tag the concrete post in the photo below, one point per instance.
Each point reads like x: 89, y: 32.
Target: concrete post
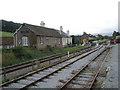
x: 68, y: 53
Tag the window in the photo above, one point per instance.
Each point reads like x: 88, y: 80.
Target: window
x: 59, y: 41
x: 25, y: 41
x: 47, y: 41
x: 55, y: 41
x: 41, y: 40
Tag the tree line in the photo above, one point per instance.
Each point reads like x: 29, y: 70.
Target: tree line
x: 9, y: 26
x: 115, y: 33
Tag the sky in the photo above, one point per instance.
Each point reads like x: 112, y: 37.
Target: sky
x: 77, y: 16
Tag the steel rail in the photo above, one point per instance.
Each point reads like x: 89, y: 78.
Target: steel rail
x: 99, y: 70
x: 32, y: 62
x: 69, y: 81
x: 22, y: 77
x: 56, y: 71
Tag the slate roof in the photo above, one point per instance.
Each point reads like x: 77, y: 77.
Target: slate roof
x: 63, y: 34
x: 39, y: 30
x: 85, y: 35
x: 6, y: 41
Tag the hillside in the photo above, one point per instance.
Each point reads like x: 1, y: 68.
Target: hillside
x: 8, y: 26
x: 5, y: 34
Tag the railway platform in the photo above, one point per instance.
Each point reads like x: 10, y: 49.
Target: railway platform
x: 111, y: 64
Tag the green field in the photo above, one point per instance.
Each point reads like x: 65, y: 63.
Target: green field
x: 5, y: 34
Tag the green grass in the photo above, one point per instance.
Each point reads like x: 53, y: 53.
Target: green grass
x: 73, y: 48
x: 5, y: 34
x: 21, y: 54
x: 104, y: 40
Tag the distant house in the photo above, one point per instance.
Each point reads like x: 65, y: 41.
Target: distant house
x: 6, y: 42
x: 87, y: 39
x: 37, y: 36
x: 66, y: 39
x: 84, y: 38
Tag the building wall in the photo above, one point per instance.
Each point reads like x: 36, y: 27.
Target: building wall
x: 85, y: 38
x: 66, y: 41
x: 39, y: 41
x: 25, y: 32
x: 43, y: 41
x: 7, y: 46
x: 69, y: 40
x: 6, y: 42
x: 35, y: 41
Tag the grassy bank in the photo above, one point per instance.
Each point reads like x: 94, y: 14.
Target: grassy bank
x: 5, y: 34
x: 21, y: 54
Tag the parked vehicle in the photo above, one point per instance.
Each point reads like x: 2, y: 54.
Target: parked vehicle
x: 112, y: 41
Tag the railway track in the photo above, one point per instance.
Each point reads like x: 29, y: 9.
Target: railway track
x: 35, y: 76
x: 86, y: 76
x: 10, y: 72
x: 15, y: 67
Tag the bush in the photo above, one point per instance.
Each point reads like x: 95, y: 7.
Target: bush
x: 50, y: 48
x: 8, y: 59
x: 6, y: 50
x: 22, y: 52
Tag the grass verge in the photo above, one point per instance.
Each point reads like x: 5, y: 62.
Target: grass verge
x: 5, y: 34
x: 21, y: 54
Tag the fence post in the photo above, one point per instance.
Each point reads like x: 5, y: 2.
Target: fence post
x: 38, y: 64
x: 49, y: 61
x: 32, y: 65
x: 4, y: 71
x: 68, y: 53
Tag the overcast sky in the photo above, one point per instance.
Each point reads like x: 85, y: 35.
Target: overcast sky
x: 77, y: 16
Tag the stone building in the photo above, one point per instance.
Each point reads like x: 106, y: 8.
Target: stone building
x: 37, y: 36
x: 6, y: 42
x: 84, y: 38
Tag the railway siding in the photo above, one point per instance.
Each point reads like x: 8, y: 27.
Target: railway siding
x: 23, y: 68
x: 85, y: 78
x: 109, y: 78
x: 35, y: 79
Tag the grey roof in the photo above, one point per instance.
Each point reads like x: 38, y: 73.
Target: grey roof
x: 39, y: 30
x: 63, y: 34
x: 6, y: 40
x: 85, y: 35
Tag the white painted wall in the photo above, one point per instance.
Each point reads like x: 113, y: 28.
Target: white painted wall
x: 66, y: 41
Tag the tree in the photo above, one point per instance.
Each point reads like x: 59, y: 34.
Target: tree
x: 9, y: 26
x: 76, y: 39
x: 115, y: 34
x: 100, y: 37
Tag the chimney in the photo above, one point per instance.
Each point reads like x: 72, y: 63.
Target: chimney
x: 84, y: 33
x: 61, y: 28
x: 42, y: 24
x: 68, y: 32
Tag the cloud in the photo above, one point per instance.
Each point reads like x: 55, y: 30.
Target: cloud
x: 76, y: 15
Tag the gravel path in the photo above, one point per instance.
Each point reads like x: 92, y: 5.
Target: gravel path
x: 111, y: 80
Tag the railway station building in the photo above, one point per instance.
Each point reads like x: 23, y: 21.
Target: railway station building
x: 40, y: 36
x: 6, y: 42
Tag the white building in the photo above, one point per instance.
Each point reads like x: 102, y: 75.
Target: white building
x: 66, y: 39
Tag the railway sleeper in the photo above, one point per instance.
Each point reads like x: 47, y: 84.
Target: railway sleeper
x: 16, y: 85
x: 83, y: 76
x: 82, y: 84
